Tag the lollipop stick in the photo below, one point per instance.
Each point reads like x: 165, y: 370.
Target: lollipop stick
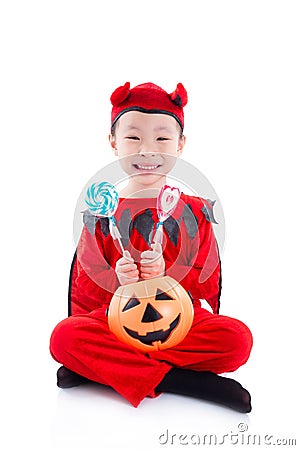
x: 115, y: 233
x: 158, y: 236
x: 122, y: 248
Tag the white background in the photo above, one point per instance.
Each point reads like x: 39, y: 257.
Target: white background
x: 60, y: 61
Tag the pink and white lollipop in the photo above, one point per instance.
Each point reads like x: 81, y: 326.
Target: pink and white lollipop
x: 167, y: 201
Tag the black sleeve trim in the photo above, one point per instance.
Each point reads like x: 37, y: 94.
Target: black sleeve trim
x: 220, y: 283
x: 70, y: 285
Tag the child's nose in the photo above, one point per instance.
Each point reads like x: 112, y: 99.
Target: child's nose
x: 147, y: 149
x: 147, y: 154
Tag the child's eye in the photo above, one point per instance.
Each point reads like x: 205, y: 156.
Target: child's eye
x: 162, y: 139
x: 133, y: 138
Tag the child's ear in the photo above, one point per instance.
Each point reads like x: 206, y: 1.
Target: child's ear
x: 112, y: 141
x: 181, y: 145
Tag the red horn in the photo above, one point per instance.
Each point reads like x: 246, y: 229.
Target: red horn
x: 120, y: 94
x: 179, y: 96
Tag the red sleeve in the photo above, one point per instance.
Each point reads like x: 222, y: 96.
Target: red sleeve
x: 94, y: 280
x: 201, y: 276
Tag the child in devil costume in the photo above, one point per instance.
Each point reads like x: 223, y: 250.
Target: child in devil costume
x: 147, y: 130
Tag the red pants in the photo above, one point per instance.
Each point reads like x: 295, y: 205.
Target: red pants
x: 84, y: 344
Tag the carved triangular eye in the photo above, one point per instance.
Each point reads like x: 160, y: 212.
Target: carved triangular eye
x: 131, y: 304
x: 160, y: 295
x: 150, y: 314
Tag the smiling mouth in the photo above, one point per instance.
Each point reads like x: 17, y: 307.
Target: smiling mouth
x: 154, y: 336
x: 145, y: 167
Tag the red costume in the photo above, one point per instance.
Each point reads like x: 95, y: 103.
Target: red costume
x: 83, y: 342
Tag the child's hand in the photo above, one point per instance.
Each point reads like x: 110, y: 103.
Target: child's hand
x: 152, y: 263
x: 126, y: 269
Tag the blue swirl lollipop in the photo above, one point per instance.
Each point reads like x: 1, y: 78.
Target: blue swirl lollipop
x: 102, y: 200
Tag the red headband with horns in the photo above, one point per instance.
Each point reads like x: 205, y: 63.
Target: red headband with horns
x: 148, y: 98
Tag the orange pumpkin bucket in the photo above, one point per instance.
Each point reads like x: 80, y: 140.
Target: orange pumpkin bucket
x: 151, y: 315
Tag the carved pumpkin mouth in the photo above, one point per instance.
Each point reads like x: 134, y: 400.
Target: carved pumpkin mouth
x: 154, y: 336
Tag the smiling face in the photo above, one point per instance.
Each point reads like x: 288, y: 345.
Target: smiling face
x: 147, y: 145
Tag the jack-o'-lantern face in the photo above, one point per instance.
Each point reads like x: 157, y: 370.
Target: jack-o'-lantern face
x: 152, y: 314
